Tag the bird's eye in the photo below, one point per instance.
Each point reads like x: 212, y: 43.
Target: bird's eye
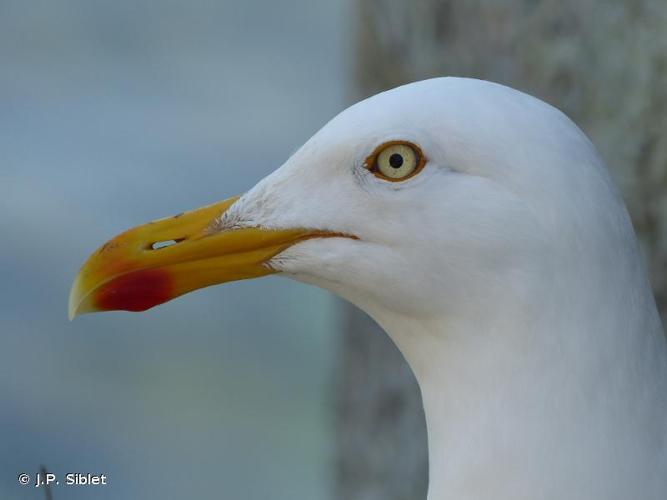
x: 396, y: 161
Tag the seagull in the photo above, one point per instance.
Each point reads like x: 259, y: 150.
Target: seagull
x: 480, y: 228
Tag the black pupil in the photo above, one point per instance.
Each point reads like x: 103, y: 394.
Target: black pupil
x: 396, y: 160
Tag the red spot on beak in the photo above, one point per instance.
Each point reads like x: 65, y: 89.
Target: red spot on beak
x: 135, y: 291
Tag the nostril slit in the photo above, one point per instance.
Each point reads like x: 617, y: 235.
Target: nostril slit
x: 165, y: 243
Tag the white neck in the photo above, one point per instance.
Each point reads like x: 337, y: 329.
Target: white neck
x: 546, y: 401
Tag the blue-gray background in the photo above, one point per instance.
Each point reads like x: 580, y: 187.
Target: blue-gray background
x: 113, y: 113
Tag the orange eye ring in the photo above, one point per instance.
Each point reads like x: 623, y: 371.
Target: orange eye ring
x: 396, y: 161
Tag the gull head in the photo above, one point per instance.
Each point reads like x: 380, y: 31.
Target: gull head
x: 481, y: 229
x: 428, y: 199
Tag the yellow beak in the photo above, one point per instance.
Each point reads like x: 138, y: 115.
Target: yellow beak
x: 151, y: 264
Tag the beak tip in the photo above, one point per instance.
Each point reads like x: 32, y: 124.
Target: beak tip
x: 75, y: 301
x: 72, y: 307
x: 71, y: 313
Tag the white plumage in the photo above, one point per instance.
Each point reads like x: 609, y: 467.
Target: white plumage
x: 508, y: 274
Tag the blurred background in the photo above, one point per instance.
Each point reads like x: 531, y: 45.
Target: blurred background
x: 113, y: 113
